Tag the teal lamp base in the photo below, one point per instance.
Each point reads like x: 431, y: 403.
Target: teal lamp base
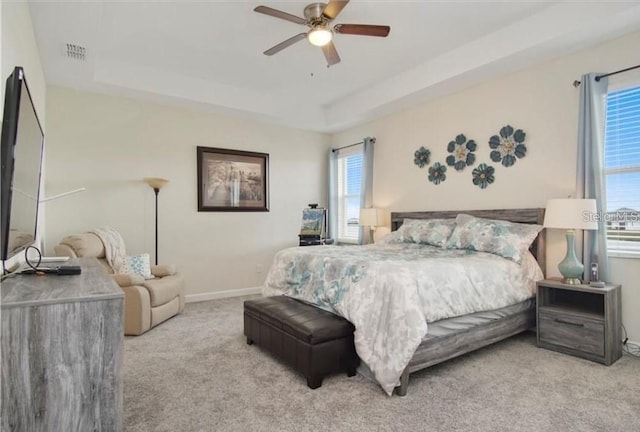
x: 570, y: 268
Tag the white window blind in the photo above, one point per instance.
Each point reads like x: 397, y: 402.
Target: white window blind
x: 349, y: 194
x: 622, y: 170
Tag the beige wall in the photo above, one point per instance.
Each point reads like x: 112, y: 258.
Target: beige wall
x: 19, y: 48
x: 541, y: 101
x: 109, y: 144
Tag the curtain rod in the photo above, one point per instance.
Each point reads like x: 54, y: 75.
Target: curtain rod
x: 617, y: 72
x: 576, y: 83
x: 347, y: 146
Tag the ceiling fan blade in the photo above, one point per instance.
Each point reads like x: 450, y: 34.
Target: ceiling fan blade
x: 334, y: 7
x: 331, y: 54
x: 282, y: 45
x: 279, y: 14
x: 362, y: 29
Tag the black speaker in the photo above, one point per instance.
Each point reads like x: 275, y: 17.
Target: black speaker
x: 69, y: 270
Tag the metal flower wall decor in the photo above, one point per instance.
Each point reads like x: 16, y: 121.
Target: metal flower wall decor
x: 437, y: 173
x: 483, y: 175
x: 508, y: 146
x: 421, y: 157
x: 462, y: 152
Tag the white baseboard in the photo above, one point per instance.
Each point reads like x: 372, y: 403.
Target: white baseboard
x: 192, y: 298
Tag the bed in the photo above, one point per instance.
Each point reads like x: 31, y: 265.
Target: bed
x: 405, y: 321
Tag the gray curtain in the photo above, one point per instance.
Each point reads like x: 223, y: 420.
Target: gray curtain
x: 366, y: 187
x: 332, y: 198
x: 590, y: 182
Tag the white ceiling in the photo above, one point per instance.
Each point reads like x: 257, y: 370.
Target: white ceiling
x: 209, y: 53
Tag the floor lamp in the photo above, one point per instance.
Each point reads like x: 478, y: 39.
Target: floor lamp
x: 156, y: 184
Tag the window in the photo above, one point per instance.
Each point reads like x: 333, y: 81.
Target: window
x: 349, y: 194
x: 622, y: 170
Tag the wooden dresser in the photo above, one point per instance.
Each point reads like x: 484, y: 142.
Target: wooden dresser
x: 62, y: 348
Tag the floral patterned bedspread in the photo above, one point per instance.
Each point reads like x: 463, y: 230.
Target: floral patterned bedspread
x: 390, y: 292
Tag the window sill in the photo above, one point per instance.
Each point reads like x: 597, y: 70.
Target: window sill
x: 624, y: 254
x: 347, y: 242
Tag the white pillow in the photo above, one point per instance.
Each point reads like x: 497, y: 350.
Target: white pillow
x: 139, y: 265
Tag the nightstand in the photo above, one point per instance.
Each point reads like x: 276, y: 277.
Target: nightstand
x: 580, y: 320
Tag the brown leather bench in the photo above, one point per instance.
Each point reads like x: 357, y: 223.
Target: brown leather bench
x: 313, y: 341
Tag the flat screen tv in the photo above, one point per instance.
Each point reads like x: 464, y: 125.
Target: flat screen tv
x: 21, y: 152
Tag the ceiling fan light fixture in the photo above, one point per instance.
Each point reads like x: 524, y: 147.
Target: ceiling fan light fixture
x: 318, y: 18
x: 319, y: 36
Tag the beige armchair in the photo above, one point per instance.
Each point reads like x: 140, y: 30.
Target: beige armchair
x: 147, y: 303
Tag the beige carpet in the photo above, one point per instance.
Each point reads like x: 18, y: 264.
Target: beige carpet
x: 196, y: 373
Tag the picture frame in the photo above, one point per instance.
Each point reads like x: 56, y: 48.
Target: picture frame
x: 313, y: 222
x: 232, y: 180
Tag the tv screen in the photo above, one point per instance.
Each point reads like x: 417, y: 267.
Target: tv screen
x: 21, y: 152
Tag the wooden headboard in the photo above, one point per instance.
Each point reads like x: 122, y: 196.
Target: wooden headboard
x: 530, y: 216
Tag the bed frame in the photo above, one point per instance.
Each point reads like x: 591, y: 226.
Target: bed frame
x: 437, y: 350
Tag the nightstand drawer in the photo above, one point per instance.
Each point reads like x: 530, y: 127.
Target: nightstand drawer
x: 571, y: 331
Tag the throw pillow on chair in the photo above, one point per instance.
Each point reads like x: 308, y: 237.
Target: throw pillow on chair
x: 138, y: 264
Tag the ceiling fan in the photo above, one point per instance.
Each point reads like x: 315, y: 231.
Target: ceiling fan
x: 318, y: 16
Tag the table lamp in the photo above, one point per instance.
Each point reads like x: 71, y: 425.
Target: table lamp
x: 571, y: 214
x: 371, y: 217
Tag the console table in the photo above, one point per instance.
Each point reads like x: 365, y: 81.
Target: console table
x: 62, y: 348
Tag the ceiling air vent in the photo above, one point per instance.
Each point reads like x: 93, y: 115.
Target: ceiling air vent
x: 76, y: 52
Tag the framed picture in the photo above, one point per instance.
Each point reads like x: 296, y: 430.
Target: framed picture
x: 313, y: 222
x: 232, y: 180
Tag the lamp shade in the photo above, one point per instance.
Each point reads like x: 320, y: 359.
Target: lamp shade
x: 570, y: 213
x: 370, y: 217
x: 156, y: 182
